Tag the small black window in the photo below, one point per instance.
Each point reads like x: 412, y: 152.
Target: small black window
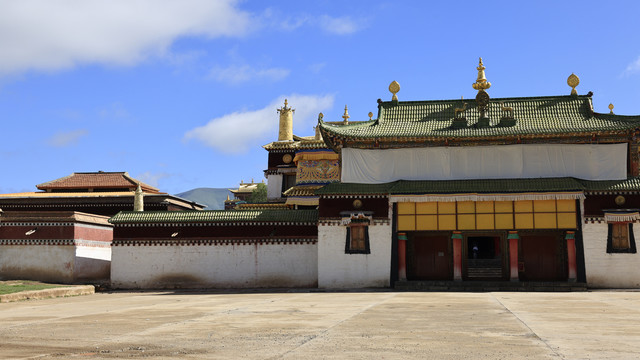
x: 357, y: 239
x: 621, y: 239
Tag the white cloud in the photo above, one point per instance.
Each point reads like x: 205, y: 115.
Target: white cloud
x: 633, y: 68
x: 339, y: 26
x: 152, y: 179
x: 62, y: 139
x: 239, y: 131
x: 52, y: 35
x: 235, y: 74
x: 316, y: 68
x: 114, y: 111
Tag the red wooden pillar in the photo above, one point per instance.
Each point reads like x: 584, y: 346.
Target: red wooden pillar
x: 402, y: 256
x: 456, y: 237
x: 571, y: 255
x: 513, y: 238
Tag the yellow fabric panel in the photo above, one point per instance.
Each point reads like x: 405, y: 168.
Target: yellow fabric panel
x: 427, y: 208
x: 467, y: 222
x: 567, y: 221
x: 504, y: 221
x: 544, y: 205
x: 466, y: 207
x: 484, y: 207
x: 523, y: 206
x: 446, y: 222
x: 446, y: 208
x: 504, y: 206
x: 545, y: 220
x: 485, y: 221
x: 524, y: 221
x: 566, y: 205
x: 406, y: 222
x: 406, y: 208
x: 427, y: 222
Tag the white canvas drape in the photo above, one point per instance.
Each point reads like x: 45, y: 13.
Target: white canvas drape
x: 583, y: 161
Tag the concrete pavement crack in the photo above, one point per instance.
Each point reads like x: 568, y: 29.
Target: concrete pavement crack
x: 527, y: 326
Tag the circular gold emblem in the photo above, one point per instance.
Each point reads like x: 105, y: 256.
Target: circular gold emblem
x: 357, y: 204
x: 620, y: 200
x: 287, y: 158
x: 573, y: 80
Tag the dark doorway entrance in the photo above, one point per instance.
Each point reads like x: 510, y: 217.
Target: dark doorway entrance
x: 484, y: 258
x: 429, y: 257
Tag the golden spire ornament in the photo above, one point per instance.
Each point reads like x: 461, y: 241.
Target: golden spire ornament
x: 394, y: 88
x: 610, y: 108
x: 481, y: 83
x: 573, y: 81
x: 346, y: 116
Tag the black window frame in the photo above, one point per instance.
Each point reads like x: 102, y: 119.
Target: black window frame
x: 367, y: 248
x: 632, y: 241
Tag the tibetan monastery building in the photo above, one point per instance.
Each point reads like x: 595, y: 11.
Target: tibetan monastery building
x: 527, y: 193
x: 539, y: 189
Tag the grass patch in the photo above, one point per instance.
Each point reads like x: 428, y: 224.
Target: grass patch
x: 14, y: 286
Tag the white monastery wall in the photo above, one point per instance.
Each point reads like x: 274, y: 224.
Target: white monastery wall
x: 235, y: 265
x: 339, y: 270
x: 274, y: 186
x: 93, y: 260
x: 45, y: 262
x: 615, y: 270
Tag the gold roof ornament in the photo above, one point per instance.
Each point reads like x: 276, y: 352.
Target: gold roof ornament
x: 481, y: 83
x: 394, y: 88
x: 611, y: 108
x: 573, y: 81
x: 370, y: 114
x: 346, y: 116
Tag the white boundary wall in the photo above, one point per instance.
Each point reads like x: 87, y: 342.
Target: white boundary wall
x: 339, y: 270
x: 616, y: 270
x: 214, y: 266
x: 54, y: 263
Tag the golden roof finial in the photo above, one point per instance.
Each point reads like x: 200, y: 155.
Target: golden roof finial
x: 346, y: 116
x: 481, y: 83
x: 228, y: 198
x: 394, y: 88
x: 611, y: 108
x: 370, y: 114
x: 252, y: 181
x: 573, y: 81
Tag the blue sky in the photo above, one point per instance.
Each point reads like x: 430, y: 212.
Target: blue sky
x: 183, y: 94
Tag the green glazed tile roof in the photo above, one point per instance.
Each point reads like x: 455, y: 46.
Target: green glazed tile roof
x: 354, y: 189
x: 631, y: 184
x: 480, y: 186
x: 486, y: 186
x: 216, y: 216
x: 533, y: 115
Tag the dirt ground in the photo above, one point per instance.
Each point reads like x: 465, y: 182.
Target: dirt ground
x: 319, y: 325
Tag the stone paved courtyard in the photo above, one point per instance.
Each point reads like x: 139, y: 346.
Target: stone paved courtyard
x: 324, y: 325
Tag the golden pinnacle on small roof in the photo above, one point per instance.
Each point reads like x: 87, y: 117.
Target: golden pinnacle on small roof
x: 346, y: 115
x: 610, y: 108
x: 573, y: 81
x: 481, y: 83
x: 394, y: 88
x: 370, y: 114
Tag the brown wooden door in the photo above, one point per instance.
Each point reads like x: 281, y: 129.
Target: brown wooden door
x: 431, y: 258
x: 543, y: 258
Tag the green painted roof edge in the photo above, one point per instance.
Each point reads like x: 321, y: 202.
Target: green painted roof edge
x: 401, y: 187
x: 216, y: 216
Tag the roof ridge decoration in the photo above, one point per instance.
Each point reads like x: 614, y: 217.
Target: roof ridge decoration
x: 482, y: 98
x: 394, y: 88
x: 573, y: 80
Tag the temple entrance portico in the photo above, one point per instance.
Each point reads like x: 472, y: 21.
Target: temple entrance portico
x: 522, y: 239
